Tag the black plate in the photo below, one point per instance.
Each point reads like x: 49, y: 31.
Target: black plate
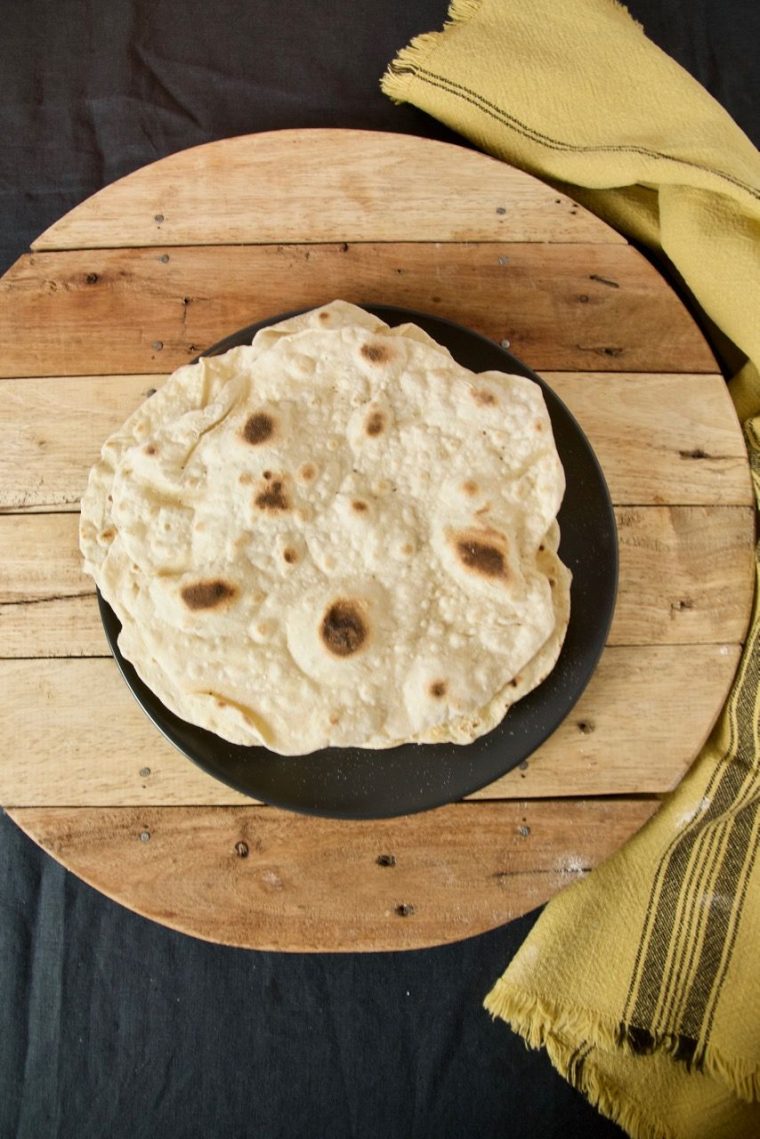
x: 354, y: 783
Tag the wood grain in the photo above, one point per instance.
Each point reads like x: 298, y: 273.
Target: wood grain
x: 645, y: 429
x: 625, y: 735
x: 260, y: 878
x: 73, y: 734
x: 41, y: 560
x: 147, y: 310
x: 686, y: 577
x: 662, y: 439
x: 327, y: 185
x: 51, y: 432
x: 47, y: 604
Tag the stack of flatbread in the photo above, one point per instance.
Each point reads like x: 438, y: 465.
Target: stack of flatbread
x: 335, y: 535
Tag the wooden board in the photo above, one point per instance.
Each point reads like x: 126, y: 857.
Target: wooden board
x: 163, y: 263
x: 259, y: 876
x: 113, y: 310
x: 330, y: 185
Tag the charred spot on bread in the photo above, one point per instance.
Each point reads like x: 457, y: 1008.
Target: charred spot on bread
x: 208, y: 594
x: 344, y: 629
x: 258, y: 428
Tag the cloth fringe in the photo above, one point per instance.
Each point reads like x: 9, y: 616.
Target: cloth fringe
x: 633, y: 1119
x: 544, y: 1023
x: 419, y: 49
x: 536, y: 1020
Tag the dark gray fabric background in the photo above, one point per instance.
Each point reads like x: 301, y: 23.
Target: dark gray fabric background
x: 111, y: 1026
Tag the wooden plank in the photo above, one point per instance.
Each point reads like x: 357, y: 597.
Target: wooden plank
x: 637, y: 727
x: 686, y: 577
x: 52, y: 429
x: 686, y: 574
x: 54, y: 626
x: 51, y: 433
x: 72, y: 734
x: 47, y: 605
x: 41, y: 561
x: 662, y: 439
x: 324, y: 185
x: 148, y: 310
x: 261, y: 878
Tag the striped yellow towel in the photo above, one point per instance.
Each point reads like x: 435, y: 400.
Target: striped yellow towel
x: 643, y: 980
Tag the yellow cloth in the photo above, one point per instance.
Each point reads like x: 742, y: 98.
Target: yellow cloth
x: 643, y: 980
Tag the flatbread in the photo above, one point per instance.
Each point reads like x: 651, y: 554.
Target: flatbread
x: 335, y: 536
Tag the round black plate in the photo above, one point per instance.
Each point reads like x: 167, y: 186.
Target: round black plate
x: 354, y: 783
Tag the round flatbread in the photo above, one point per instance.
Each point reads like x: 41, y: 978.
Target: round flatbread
x: 336, y: 535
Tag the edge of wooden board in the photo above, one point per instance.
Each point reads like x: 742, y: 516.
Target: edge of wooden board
x: 260, y: 878
x: 324, y: 184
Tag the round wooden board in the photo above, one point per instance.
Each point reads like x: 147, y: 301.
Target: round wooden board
x: 154, y: 268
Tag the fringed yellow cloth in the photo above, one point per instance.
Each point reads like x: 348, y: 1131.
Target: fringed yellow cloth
x: 643, y: 980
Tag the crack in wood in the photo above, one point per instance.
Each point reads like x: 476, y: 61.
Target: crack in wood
x: 52, y: 597
x: 539, y: 870
x: 600, y: 350
x: 700, y: 453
